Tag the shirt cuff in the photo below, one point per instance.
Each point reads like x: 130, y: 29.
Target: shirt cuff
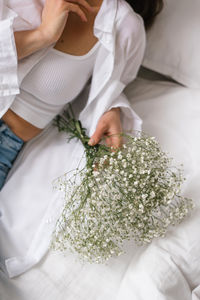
x: 130, y: 120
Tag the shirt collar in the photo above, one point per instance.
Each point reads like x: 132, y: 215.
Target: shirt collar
x: 104, y: 23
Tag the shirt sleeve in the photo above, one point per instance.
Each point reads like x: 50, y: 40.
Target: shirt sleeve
x: 8, y: 54
x: 132, y: 41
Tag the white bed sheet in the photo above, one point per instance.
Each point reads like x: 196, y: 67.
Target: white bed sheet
x: 169, y: 268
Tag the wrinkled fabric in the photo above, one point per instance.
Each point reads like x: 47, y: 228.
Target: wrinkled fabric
x: 24, y: 225
x: 168, y: 268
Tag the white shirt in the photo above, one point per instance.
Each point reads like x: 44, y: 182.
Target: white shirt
x: 123, y: 40
x: 55, y: 80
x: 122, y: 36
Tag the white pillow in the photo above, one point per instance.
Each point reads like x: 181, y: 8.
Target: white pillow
x: 173, y: 42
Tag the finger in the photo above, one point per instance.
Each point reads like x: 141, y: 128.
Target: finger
x: 96, y: 137
x: 114, y: 141
x: 76, y: 9
x: 117, y: 141
x: 85, y: 4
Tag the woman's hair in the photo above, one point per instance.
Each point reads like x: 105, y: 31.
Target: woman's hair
x: 148, y: 9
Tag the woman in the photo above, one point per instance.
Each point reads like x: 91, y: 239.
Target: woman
x: 110, y: 46
x: 72, y: 34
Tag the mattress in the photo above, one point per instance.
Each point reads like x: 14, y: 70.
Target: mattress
x: 168, y: 268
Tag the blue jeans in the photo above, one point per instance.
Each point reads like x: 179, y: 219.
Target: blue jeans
x: 10, y: 146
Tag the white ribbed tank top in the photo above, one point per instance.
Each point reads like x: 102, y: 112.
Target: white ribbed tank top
x: 56, y: 80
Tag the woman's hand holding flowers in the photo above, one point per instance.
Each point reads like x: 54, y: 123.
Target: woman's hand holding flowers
x: 109, y: 124
x: 132, y: 192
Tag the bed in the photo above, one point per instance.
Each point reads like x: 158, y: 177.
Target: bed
x: 168, y: 268
x: 167, y: 98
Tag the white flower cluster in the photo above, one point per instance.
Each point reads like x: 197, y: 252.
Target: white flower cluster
x: 130, y: 193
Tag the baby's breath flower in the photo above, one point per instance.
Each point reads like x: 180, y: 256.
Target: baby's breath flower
x: 133, y: 193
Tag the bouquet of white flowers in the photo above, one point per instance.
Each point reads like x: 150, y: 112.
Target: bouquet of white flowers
x: 132, y: 192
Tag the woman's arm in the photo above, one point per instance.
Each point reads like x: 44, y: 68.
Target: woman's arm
x: 29, y: 41
x: 54, y: 18
x: 132, y: 41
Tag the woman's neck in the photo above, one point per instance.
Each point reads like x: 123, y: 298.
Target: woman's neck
x: 95, y: 2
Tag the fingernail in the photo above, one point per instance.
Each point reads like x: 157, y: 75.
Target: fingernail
x: 91, y: 142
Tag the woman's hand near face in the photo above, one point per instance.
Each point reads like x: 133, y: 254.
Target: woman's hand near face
x: 54, y: 19
x: 55, y: 14
x: 108, y: 124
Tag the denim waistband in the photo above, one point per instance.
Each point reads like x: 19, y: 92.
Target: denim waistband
x: 6, y: 129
